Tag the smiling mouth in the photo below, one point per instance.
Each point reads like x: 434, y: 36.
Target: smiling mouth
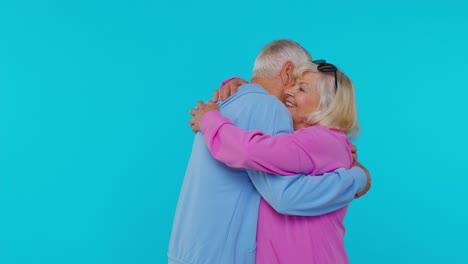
x: 289, y: 104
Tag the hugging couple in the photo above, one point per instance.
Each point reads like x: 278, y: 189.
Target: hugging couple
x: 272, y: 168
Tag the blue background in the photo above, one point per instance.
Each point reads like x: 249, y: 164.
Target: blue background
x: 94, y: 101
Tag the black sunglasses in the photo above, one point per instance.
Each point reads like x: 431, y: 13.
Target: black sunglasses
x: 323, y: 66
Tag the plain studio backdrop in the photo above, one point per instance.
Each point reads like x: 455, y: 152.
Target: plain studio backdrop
x: 94, y: 135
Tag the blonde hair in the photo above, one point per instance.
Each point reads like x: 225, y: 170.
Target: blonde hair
x: 335, y: 110
x: 273, y: 56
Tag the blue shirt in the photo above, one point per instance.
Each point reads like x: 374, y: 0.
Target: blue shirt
x: 217, y: 212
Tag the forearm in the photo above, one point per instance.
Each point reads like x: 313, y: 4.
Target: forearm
x: 280, y: 154
x: 309, y: 195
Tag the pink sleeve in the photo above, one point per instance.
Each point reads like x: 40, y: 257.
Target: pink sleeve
x: 304, y: 151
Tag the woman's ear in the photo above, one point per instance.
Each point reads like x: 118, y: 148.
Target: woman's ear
x: 287, y: 77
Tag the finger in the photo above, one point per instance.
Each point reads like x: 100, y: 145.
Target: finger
x: 195, y: 128
x: 353, y: 149
x: 211, y: 106
x: 242, y: 81
x: 191, y: 123
x: 211, y: 103
x: 201, y: 105
x: 221, y: 92
x: 216, y: 96
x: 233, y: 89
x: 226, y: 91
x: 193, y: 111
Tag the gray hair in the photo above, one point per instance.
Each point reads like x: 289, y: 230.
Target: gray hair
x: 273, y: 56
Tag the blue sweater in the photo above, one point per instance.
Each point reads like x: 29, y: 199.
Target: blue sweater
x: 217, y: 212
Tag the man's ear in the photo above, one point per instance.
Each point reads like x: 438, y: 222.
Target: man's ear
x: 287, y: 74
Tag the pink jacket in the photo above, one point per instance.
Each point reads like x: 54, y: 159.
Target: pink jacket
x: 313, y: 150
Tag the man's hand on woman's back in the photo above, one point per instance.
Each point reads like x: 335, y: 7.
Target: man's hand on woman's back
x: 368, y: 185
x: 357, y: 164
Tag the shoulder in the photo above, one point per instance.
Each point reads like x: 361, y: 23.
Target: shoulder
x: 253, y: 97
x: 254, y: 108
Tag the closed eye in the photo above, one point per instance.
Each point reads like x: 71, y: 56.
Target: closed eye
x: 303, y: 86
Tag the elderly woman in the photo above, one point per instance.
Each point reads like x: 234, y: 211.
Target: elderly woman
x: 323, y: 109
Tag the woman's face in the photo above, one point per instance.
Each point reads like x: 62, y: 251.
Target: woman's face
x: 303, y: 98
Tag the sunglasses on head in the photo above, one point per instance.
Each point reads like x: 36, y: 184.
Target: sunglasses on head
x: 323, y: 66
